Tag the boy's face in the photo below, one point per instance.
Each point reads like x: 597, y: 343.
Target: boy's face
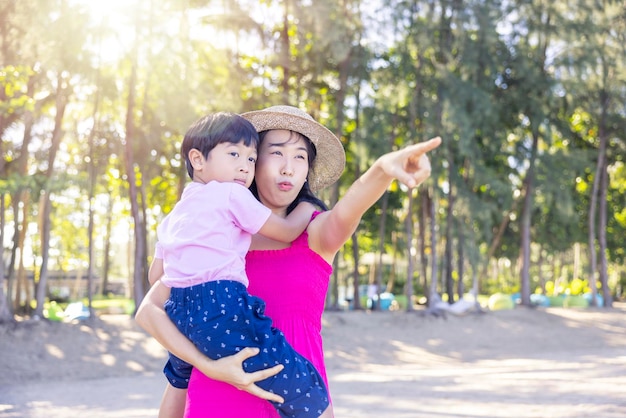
x: 227, y: 163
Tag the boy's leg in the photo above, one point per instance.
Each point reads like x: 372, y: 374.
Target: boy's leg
x: 173, y: 402
x: 300, y: 384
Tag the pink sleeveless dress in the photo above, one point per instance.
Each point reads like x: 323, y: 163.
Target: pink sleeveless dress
x: 293, y: 283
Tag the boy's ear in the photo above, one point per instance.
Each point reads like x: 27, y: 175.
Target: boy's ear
x: 196, y: 159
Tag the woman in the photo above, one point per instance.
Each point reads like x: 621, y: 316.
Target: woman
x: 296, y: 157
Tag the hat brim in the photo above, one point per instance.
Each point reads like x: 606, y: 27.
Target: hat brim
x: 330, y: 159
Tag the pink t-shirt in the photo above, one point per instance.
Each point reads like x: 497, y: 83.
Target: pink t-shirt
x: 207, y: 234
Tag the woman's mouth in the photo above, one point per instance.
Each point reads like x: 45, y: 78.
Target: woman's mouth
x: 285, y: 186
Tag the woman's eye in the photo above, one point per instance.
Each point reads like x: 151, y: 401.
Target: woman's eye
x: 277, y: 153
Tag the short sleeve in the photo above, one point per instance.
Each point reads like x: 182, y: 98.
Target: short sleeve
x: 248, y: 213
x: 158, y: 251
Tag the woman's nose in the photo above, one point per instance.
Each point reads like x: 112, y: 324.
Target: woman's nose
x: 287, y: 170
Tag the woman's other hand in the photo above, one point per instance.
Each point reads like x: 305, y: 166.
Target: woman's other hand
x: 230, y: 370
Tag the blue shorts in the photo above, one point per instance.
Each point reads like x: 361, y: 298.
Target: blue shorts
x: 221, y: 318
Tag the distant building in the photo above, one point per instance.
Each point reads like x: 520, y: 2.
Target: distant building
x: 69, y: 285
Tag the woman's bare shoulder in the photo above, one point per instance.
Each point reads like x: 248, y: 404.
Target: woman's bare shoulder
x: 318, y: 231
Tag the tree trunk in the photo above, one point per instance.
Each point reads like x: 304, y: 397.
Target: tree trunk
x: 5, y: 311
x: 423, y: 217
x: 93, y: 175
x: 10, y: 275
x: 433, y: 248
x: 356, y: 301
x: 140, y: 279
x: 542, y: 280
x: 410, y: 252
x: 461, y: 262
x: 107, y: 248
x: 449, y: 281
x: 46, y: 221
x: 340, y: 115
x: 526, y: 222
x: 78, y: 280
x: 332, y: 297
x: 576, y: 272
x: 495, y: 242
x: 23, y: 286
x: 601, y: 192
x: 602, y: 224
x: 593, y: 204
x: 285, y: 54
x: 381, y: 250
x: 21, y: 194
x: 394, y: 262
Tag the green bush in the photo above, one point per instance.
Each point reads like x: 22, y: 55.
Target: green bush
x: 117, y: 305
x: 577, y: 301
x: 556, y: 301
x: 53, y: 311
x: 500, y: 301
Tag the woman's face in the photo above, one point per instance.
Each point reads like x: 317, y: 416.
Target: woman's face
x: 281, y: 169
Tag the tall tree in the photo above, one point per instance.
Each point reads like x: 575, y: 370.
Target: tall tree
x: 140, y: 273
x: 62, y: 98
x: 533, y: 84
x: 592, y: 67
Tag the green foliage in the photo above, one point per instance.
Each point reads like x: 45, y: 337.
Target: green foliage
x: 483, y: 75
x: 14, y: 86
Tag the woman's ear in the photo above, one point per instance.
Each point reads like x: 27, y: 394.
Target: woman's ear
x: 196, y: 159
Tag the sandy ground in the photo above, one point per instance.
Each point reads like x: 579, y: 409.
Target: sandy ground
x: 555, y: 362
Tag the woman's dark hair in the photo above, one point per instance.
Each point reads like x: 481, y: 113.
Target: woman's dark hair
x: 305, y: 194
x: 214, y: 129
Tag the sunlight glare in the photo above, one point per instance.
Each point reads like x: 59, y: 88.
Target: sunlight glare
x: 112, y: 16
x: 104, y: 10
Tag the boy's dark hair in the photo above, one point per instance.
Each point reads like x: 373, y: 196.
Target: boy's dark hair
x: 305, y: 194
x: 214, y: 129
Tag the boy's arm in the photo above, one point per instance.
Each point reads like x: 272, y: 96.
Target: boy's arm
x: 289, y: 228
x: 156, y: 270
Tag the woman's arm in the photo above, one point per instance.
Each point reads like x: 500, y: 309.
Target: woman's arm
x: 331, y: 229
x: 152, y: 317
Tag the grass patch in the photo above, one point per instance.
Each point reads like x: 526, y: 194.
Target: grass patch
x: 113, y: 305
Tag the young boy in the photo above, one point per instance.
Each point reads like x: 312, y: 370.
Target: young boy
x: 200, y: 255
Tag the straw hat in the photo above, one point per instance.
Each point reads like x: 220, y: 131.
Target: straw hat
x: 331, y: 158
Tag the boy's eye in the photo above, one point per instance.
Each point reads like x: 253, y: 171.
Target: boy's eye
x: 234, y: 154
x: 252, y: 160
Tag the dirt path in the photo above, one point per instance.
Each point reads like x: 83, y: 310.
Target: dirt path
x: 521, y: 363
